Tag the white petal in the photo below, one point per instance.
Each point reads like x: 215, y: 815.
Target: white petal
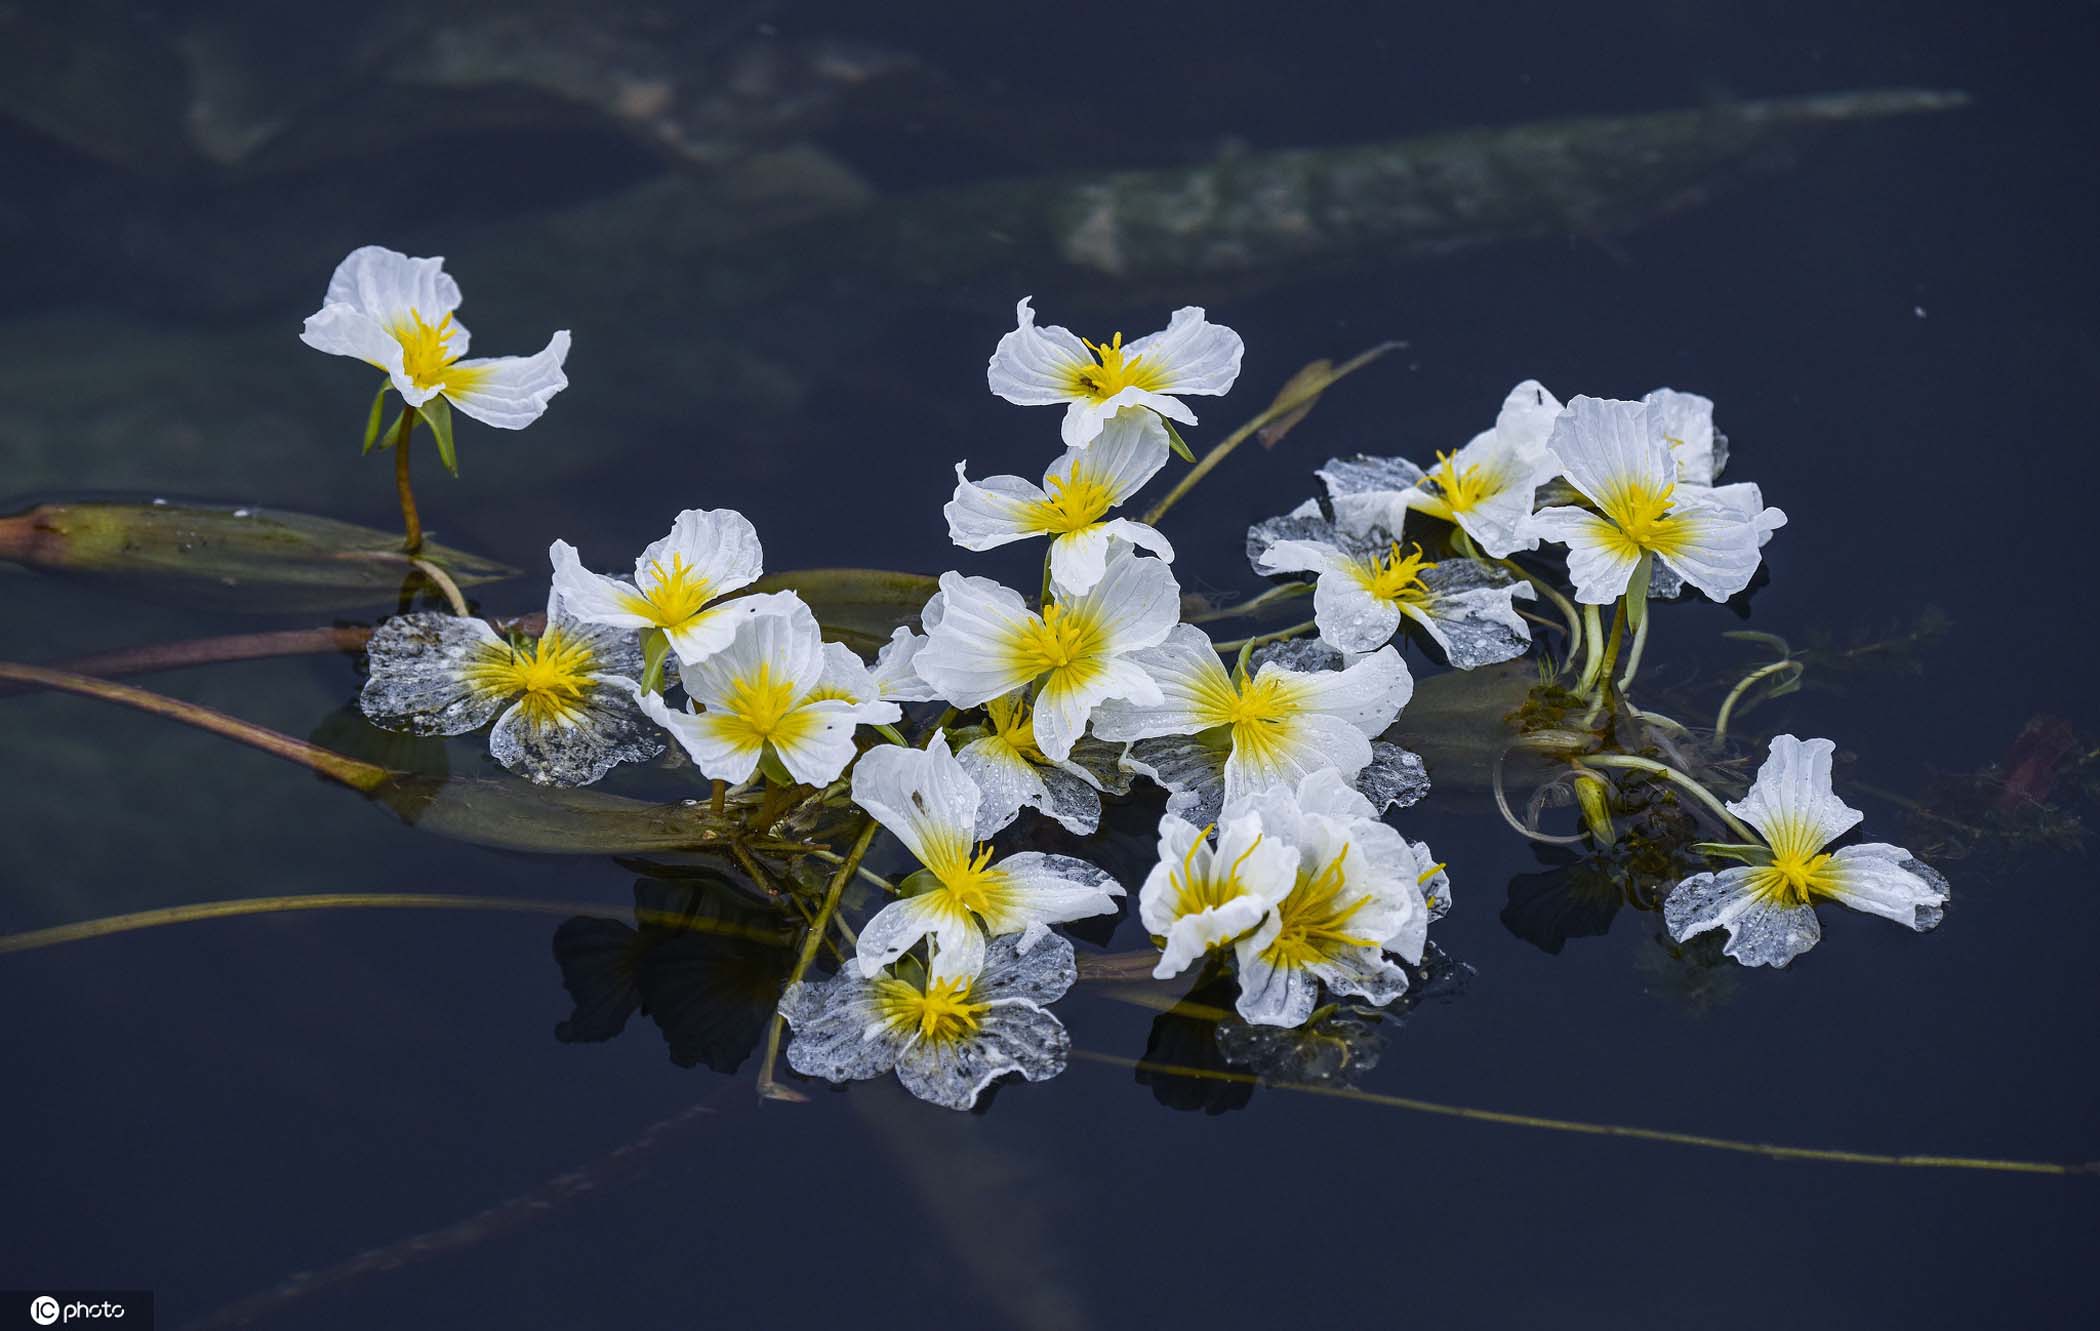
x: 817, y: 752
x: 1069, y: 697
x: 1011, y: 1037
x: 1190, y: 678
x: 418, y: 683
x: 1197, y: 356
x: 1744, y: 498
x: 343, y: 330
x: 714, y: 628
x: 896, y: 672
x: 1040, y: 973
x: 923, y: 796
x: 1005, y: 781
x: 388, y: 287
x: 1599, y: 562
x: 1500, y: 523
x: 1792, y: 801
x: 1305, y: 744
x: 591, y: 597
x: 601, y: 730
x: 1712, y: 546
x: 787, y: 646
x: 718, y: 545
x: 1133, y: 606
x: 1760, y: 933
x: 1687, y: 424
x: 1038, y: 889
x: 1131, y: 449
x: 1607, y: 448
x: 721, y: 752
x: 1349, y: 617
x: 1273, y: 995
x: 1079, y: 558
x: 1525, y: 421
x: 897, y: 928
x: 967, y: 658
x: 1888, y: 881
x: 1033, y: 366
x: 1367, y: 695
x: 508, y: 392
x: 1085, y: 420
x: 993, y: 512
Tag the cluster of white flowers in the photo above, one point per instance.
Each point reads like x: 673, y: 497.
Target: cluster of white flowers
x: 1274, y: 856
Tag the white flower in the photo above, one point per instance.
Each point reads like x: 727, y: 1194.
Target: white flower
x: 1071, y: 505
x: 1487, y: 487
x: 1357, y: 894
x: 984, y: 641
x: 1765, y: 906
x: 563, y: 705
x: 395, y: 313
x: 928, y: 802
x: 1012, y: 771
x: 776, y: 687
x: 948, y: 1034
x: 707, y: 554
x: 1039, y: 367
x: 1367, y: 584
x: 896, y: 669
x: 1281, y: 724
x: 1200, y: 898
x: 1614, y: 453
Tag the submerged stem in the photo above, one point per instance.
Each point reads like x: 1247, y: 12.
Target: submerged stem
x: 1560, y: 602
x: 445, y: 584
x: 1743, y: 686
x: 1705, y: 796
x: 768, y: 1088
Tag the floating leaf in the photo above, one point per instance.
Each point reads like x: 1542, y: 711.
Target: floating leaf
x: 857, y: 606
x: 1458, y: 721
x: 515, y: 815
x: 437, y: 413
x: 222, y: 557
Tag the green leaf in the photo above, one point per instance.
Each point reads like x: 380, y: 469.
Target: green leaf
x: 437, y: 413
x: 857, y: 606
x: 393, y: 429
x: 655, y: 647
x: 1177, y: 443
x: 378, y: 410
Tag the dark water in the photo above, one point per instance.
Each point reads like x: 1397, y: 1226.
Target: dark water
x: 1895, y: 319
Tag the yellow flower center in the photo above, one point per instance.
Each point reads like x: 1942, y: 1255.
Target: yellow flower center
x: 1791, y: 878
x: 1395, y: 576
x: 1062, y: 638
x: 668, y: 597
x: 941, y: 1012
x: 1113, y: 373
x: 1077, y: 501
x: 1642, y: 515
x: 1013, y: 721
x: 425, y: 350
x: 766, y: 708
x: 1259, y: 710
x: 966, y: 880
x: 1463, y: 488
x: 1197, y: 892
x: 550, y: 676
x: 1315, y: 918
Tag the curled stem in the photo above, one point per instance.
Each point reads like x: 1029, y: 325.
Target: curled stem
x: 768, y: 1088
x: 1735, y: 694
x: 1509, y: 815
x: 444, y: 583
x: 1705, y: 796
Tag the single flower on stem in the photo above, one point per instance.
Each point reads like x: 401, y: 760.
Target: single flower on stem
x: 1037, y: 367
x: 1071, y: 505
x: 774, y: 691
x: 984, y: 641
x: 948, y: 1030
x: 1766, y: 905
x: 678, y: 583
x: 1201, y: 898
x: 927, y: 801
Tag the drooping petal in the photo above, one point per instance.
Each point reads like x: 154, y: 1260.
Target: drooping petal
x: 840, y: 1032
x: 1364, y: 972
x: 1761, y: 931
x: 1034, y: 366
x: 1792, y: 801
x: 1888, y: 881
x: 580, y: 745
x: 1367, y: 694
x: 707, y: 631
x: 1041, y: 974
x: 1078, y: 559
x: 508, y: 392
x: 1131, y: 449
x: 1273, y: 994
x: 1349, y: 616
x: 995, y: 511
x: 422, y: 680
x: 343, y: 330
x: 1472, y: 613
x: 1600, y: 560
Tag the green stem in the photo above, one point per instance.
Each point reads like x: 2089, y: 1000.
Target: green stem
x: 412, y: 524
x: 1705, y: 796
x: 1735, y: 694
x: 1561, y: 603
x: 1593, y: 647
x: 1637, y: 608
x: 1281, y: 592
x: 866, y: 875
x: 656, y: 649
x: 768, y: 1088
x: 1264, y: 639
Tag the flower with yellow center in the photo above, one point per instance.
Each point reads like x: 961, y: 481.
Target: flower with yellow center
x: 1487, y: 488
x: 1045, y: 366
x: 678, y: 583
x: 1279, y: 725
x: 947, y: 1030
x: 1615, y: 455
x: 983, y: 641
x: 396, y: 314
x: 1357, y: 892
x: 767, y: 692
x: 1200, y: 898
x: 1766, y: 905
x: 926, y: 799
x: 562, y: 704
x: 1012, y: 772
x: 1071, y: 506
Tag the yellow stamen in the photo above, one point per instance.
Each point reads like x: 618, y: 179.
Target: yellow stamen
x: 942, y: 1012
x: 1396, y: 577
x: 763, y: 709
x: 671, y: 596
x: 967, y: 881
x: 1061, y: 639
x: 549, y: 676
x: 1259, y: 710
x: 1463, y: 488
x: 1014, y: 722
x: 425, y: 350
x: 1315, y: 918
x: 1114, y: 373
x: 1642, y: 515
x: 1194, y: 892
x: 1077, y: 501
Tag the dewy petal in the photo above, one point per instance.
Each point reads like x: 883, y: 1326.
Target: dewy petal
x: 1792, y: 801
x: 1135, y: 604
x: 1367, y: 694
x: 718, y: 545
x: 1687, y: 424
x: 1473, y: 614
x: 1370, y: 492
x: 601, y: 730
x: 923, y: 796
x: 1033, y: 366
x: 1130, y: 451
x: 418, y: 683
x: 1272, y: 995
x: 1069, y: 796
x: 1192, y: 773
x: 840, y: 1033
x: 1394, y: 777
x: 966, y: 658
x: 1712, y: 546
x: 1197, y: 356
x: 1041, y: 974
x: 1005, y: 781
x: 1599, y: 564
x: 1011, y: 1036
x: 993, y: 512
x: 1040, y: 889
x: 1067, y: 700
x: 898, y: 927
x: 508, y: 392
x: 1888, y: 881
x: 1349, y: 617
x: 1760, y: 932
x: 1364, y: 972
x: 388, y: 287
x: 1606, y: 447
x: 787, y: 643
x: 343, y: 330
